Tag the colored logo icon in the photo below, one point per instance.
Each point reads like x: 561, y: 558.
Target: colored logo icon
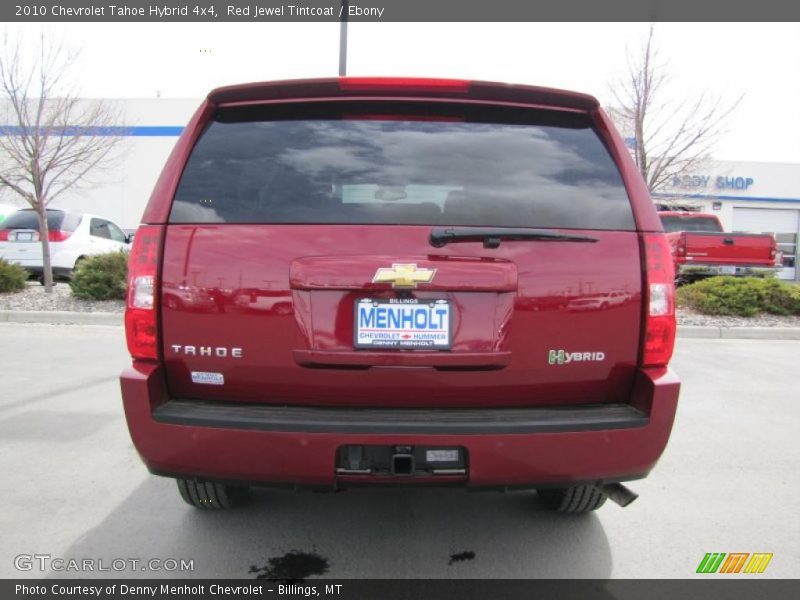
x: 734, y: 562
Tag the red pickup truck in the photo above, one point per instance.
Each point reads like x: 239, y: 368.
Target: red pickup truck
x: 395, y: 267
x: 701, y: 248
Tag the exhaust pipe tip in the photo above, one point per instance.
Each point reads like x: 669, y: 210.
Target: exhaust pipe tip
x: 619, y: 494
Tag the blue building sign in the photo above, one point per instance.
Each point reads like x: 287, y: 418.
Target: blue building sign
x: 734, y: 183
x: 705, y: 181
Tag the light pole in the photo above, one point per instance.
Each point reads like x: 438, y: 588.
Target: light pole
x: 343, y: 39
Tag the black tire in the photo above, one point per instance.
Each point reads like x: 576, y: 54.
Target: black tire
x: 209, y: 495
x: 572, y: 500
x: 78, y: 261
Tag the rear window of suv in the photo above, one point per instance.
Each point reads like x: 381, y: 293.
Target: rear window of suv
x: 674, y: 223
x: 402, y: 164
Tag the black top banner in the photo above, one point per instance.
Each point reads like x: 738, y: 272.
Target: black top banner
x: 398, y: 10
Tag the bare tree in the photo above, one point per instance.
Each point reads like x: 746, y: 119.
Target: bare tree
x: 671, y: 135
x: 52, y: 139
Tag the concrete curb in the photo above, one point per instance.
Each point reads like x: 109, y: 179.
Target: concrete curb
x: 61, y: 317
x: 684, y: 331
x: 739, y: 333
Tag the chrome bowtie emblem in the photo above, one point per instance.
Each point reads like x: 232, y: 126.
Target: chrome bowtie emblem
x: 404, y: 275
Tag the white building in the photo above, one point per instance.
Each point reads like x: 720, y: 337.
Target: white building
x: 747, y: 196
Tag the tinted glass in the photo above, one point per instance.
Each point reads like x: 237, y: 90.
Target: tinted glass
x: 694, y: 224
x: 71, y: 222
x: 27, y: 219
x: 116, y: 233
x: 99, y: 228
x: 431, y: 170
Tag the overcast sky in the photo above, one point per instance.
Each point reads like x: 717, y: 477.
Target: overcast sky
x: 760, y: 62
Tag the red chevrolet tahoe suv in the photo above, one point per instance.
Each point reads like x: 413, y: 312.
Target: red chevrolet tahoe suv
x: 378, y: 285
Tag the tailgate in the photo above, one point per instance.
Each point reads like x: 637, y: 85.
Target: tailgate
x: 730, y: 249
x: 272, y: 310
x: 21, y: 246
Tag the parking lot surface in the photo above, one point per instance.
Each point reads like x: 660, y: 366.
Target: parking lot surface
x: 75, y: 488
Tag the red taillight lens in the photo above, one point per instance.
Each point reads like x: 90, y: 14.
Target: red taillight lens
x: 3, y: 235
x: 659, y: 323
x: 58, y: 235
x: 140, y: 312
x: 365, y: 84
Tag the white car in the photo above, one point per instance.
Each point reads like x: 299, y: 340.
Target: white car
x: 73, y: 236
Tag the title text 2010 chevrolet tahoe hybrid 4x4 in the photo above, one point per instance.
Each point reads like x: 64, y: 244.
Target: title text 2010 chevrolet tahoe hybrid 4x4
x: 385, y: 273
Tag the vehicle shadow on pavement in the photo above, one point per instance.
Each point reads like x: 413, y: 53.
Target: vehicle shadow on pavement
x: 359, y: 533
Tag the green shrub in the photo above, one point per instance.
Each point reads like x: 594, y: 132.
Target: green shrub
x: 101, y: 277
x: 12, y: 277
x: 779, y: 298
x: 741, y: 296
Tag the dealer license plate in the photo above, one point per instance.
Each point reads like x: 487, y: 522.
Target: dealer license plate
x: 404, y: 323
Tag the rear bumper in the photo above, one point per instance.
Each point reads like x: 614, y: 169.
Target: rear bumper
x: 298, y: 445
x: 689, y: 269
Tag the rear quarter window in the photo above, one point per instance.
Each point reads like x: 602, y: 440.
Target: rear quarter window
x: 71, y: 222
x: 693, y: 224
x: 403, y: 165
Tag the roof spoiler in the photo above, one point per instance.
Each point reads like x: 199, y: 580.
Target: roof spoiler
x: 399, y: 87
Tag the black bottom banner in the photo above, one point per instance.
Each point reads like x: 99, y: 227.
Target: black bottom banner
x: 410, y: 589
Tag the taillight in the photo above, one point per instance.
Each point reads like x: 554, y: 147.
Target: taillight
x: 773, y: 248
x: 682, y: 246
x: 140, y: 312
x: 3, y: 235
x: 58, y: 235
x: 659, y: 322
x: 364, y: 84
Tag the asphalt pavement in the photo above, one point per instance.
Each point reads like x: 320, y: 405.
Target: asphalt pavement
x: 74, y: 488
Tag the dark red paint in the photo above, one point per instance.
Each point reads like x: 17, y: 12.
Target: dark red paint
x: 284, y: 295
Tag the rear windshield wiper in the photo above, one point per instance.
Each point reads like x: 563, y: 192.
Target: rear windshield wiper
x: 492, y: 236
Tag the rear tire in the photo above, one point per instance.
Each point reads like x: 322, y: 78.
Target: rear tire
x: 209, y: 495
x: 572, y: 500
x: 78, y: 261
